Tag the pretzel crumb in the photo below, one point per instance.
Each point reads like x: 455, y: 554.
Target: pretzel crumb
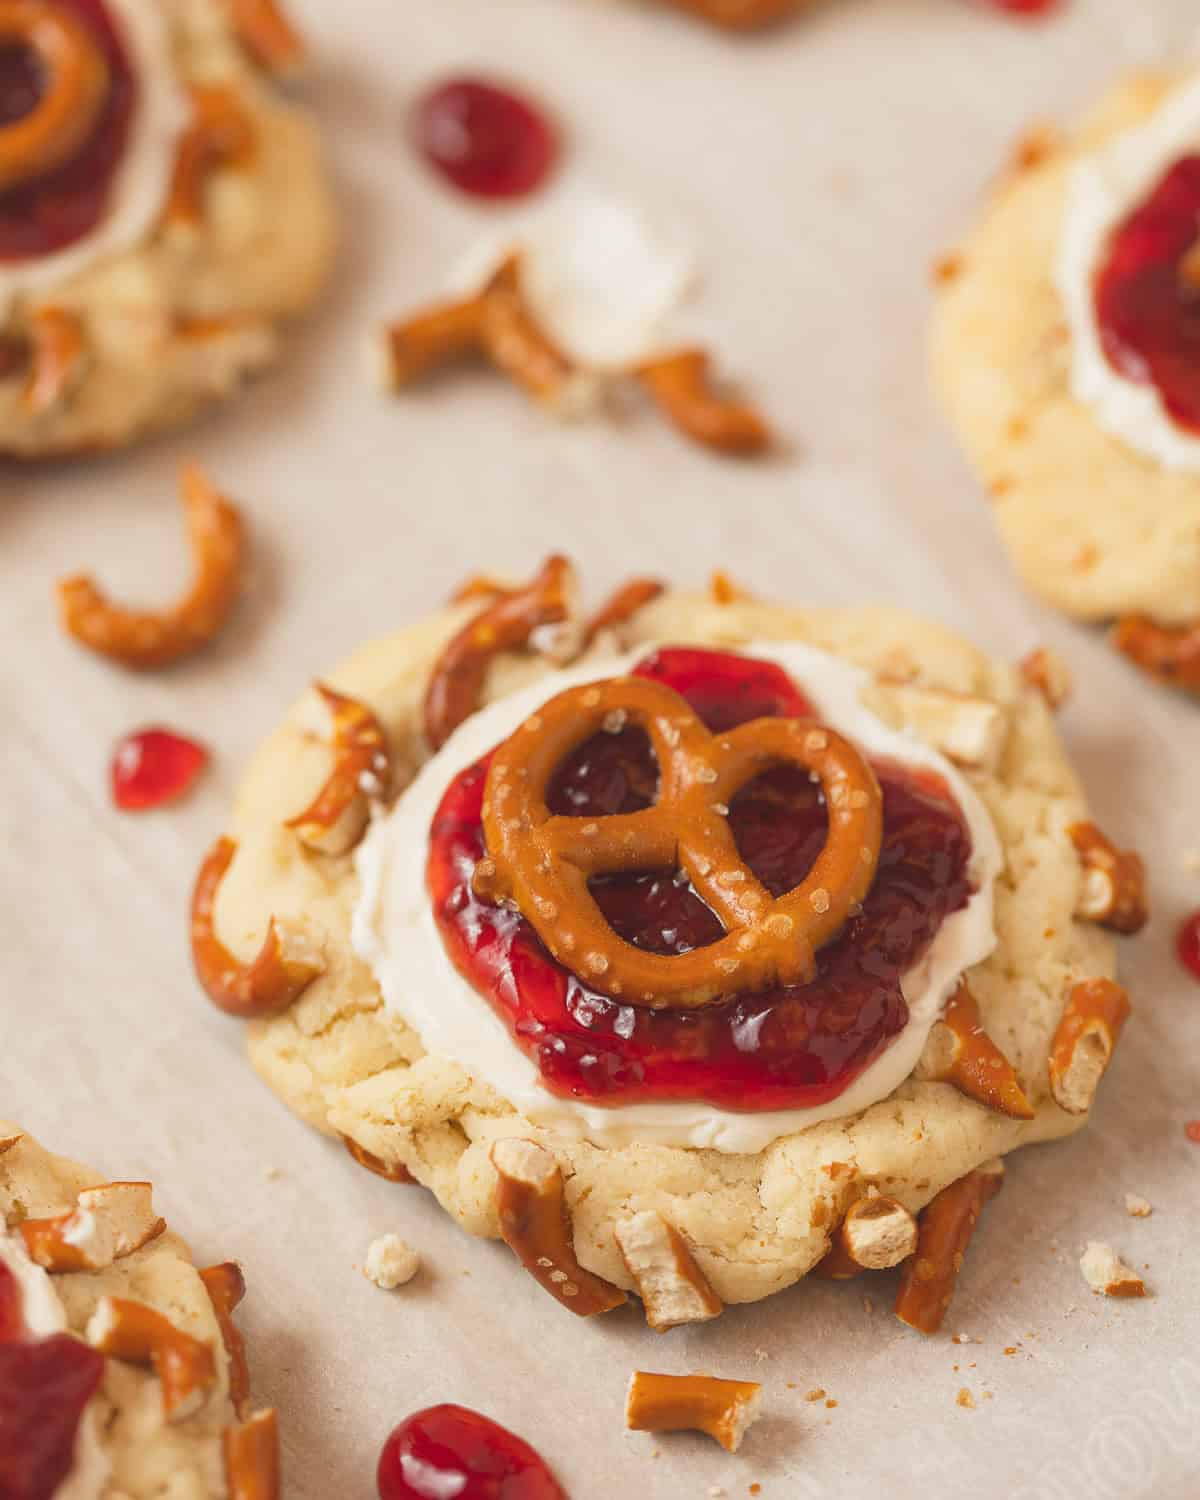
x: 390, y: 1262
x: 723, y: 1409
x: 1138, y: 1208
x: 816, y: 1394
x: 965, y: 1398
x: 1046, y: 671
x: 1107, y: 1274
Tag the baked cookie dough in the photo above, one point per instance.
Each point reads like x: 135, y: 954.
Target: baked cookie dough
x: 755, y: 1220
x: 1095, y: 488
x: 143, y: 276
x: 102, y: 1305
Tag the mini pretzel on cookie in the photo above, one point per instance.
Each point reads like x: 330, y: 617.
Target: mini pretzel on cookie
x: 544, y: 863
x: 221, y: 134
x: 335, y: 819
x: 960, y: 1052
x: 944, y: 1231
x: 1170, y: 653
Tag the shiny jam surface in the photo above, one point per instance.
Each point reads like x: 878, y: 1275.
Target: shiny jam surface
x: 54, y: 211
x: 1148, y: 313
x: 44, y: 1387
x: 152, y: 767
x: 787, y: 1048
x: 1187, y: 944
x: 485, y: 140
x: 453, y: 1453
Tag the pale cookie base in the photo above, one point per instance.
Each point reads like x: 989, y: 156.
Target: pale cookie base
x: 261, y: 255
x: 757, y: 1223
x: 150, y: 1459
x: 1095, y: 528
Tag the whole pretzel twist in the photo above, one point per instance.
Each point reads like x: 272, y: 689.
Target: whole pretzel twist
x: 543, y: 862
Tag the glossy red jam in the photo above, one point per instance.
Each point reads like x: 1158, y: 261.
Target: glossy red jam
x: 1187, y: 944
x: 44, y: 1387
x: 1148, y: 313
x: 152, y: 767
x: 54, y: 211
x: 453, y: 1453
x: 483, y: 139
x: 786, y: 1048
x: 1026, y: 7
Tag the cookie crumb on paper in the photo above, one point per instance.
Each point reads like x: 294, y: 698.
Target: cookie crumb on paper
x: 390, y: 1262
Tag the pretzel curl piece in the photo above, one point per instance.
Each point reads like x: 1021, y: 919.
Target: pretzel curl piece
x: 269, y: 37
x: 58, y: 356
x: 544, y: 863
x: 621, y: 606
x: 681, y: 386
x: 142, y: 639
x: 226, y: 1286
x: 133, y: 1332
x: 279, y: 975
x: 251, y: 1451
x: 334, y: 821
x: 456, y: 682
x: 221, y: 134
x: 1085, y: 1040
x: 75, y: 87
x: 961, y: 1053
x: 944, y: 1231
x: 1170, y: 653
x: 1114, y: 884
x: 534, y: 1225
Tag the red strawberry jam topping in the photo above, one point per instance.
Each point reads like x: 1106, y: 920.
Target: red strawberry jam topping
x: 1026, y: 7
x: 1147, y: 309
x: 152, y: 767
x: 485, y: 140
x: 453, y: 1453
x: 44, y: 1388
x: 12, y: 1322
x: 787, y: 1048
x: 54, y: 211
x: 1187, y: 945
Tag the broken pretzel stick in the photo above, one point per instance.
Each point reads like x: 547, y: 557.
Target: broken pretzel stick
x: 1170, y: 653
x: 133, y: 1332
x: 944, y: 1231
x: 672, y: 1286
x: 269, y: 37
x: 337, y: 817
x: 681, y: 386
x: 221, y: 134
x: 251, y: 1453
x: 1114, y: 881
x: 1084, y: 1043
x: 960, y: 1052
x: 57, y: 359
x: 226, y: 1286
x: 723, y: 1409
x: 621, y: 606
x: 107, y: 1223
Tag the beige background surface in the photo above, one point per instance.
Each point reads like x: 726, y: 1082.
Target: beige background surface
x: 819, y: 171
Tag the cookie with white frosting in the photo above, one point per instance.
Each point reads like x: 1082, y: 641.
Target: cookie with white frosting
x: 497, y: 966
x: 122, y: 1373
x: 163, y: 208
x: 1064, y: 350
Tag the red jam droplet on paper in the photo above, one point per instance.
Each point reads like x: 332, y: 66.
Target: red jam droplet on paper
x: 486, y: 141
x: 44, y: 1388
x: 786, y: 1048
x: 450, y: 1451
x: 52, y: 212
x: 1026, y: 7
x: 154, y: 766
x: 1148, y: 313
x: 1187, y: 945
x: 12, y: 1321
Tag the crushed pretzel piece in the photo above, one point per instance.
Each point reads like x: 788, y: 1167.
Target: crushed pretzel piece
x: 282, y: 971
x: 1083, y: 1045
x: 427, y: 340
x: 390, y: 1262
x: 960, y: 1052
x: 133, y: 1332
x: 391, y: 1171
x: 251, y: 1452
x: 143, y: 639
x: 479, y: 586
x: 107, y: 1223
x: 457, y: 679
x: 7, y: 1142
x: 1107, y: 1274
x: 269, y: 37
x: 516, y: 345
x: 944, y: 1231
x: 724, y: 1409
x: 221, y: 134
x: 672, y: 1286
x: 226, y: 1286
x: 878, y: 1232
x: 1114, y: 881
x: 680, y: 385
x: 723, y: 590
x: 532, y: 1209
x: 1046, y: 671
x: 972, y: 732
x: 58, y: 357
x: 1138, y: 1207
x: 621, y: 606
x: 1169, y: 652
x: 738, y: 15
x: 335, y: 820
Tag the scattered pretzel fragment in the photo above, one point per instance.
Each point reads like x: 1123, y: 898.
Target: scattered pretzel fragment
x: 282, y: 971
x: 1114, y: 881
x: 1046, y: 671
x: 221, y: 134
x: 723, y: 1409
x: 1169, y: 652
x: 251, y: 1452
x: 443, y: 333
x: 1107, y: 1274
x: 739, y: 15
x: 133, y: 1332
x: 337, y: 817
x: 621, y: 606
x: 269, y: 36
x: 107, y: 1223
x: 143, y: 639
x: 672, y: 1286
x: 878, y: 1232
x: 960, y: 1052
x: 57, y: 356
x: 944, y: 1231
x: 533, y: 1223
x: 972, y: 732
x: 479, y: 586
x: 723, y: 590
x: 681, y: 386
x: 457, y: 679
x: 1138, y: 1207
x: 1083, y: 1045
x: 226, y: 1286
x: 7, y: 1142
x: 391, y: 1171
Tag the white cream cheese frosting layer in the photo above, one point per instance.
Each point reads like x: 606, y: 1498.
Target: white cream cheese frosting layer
x: 44, y: 1315
x: 394, y: 929
x: 140, y: 185
x: 1102, y: 190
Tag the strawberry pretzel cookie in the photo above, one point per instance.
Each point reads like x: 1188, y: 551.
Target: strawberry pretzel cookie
x: 162, y: 208
x: 690, y: 946
x: 122, y: 1373
x: 1067, y: 352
